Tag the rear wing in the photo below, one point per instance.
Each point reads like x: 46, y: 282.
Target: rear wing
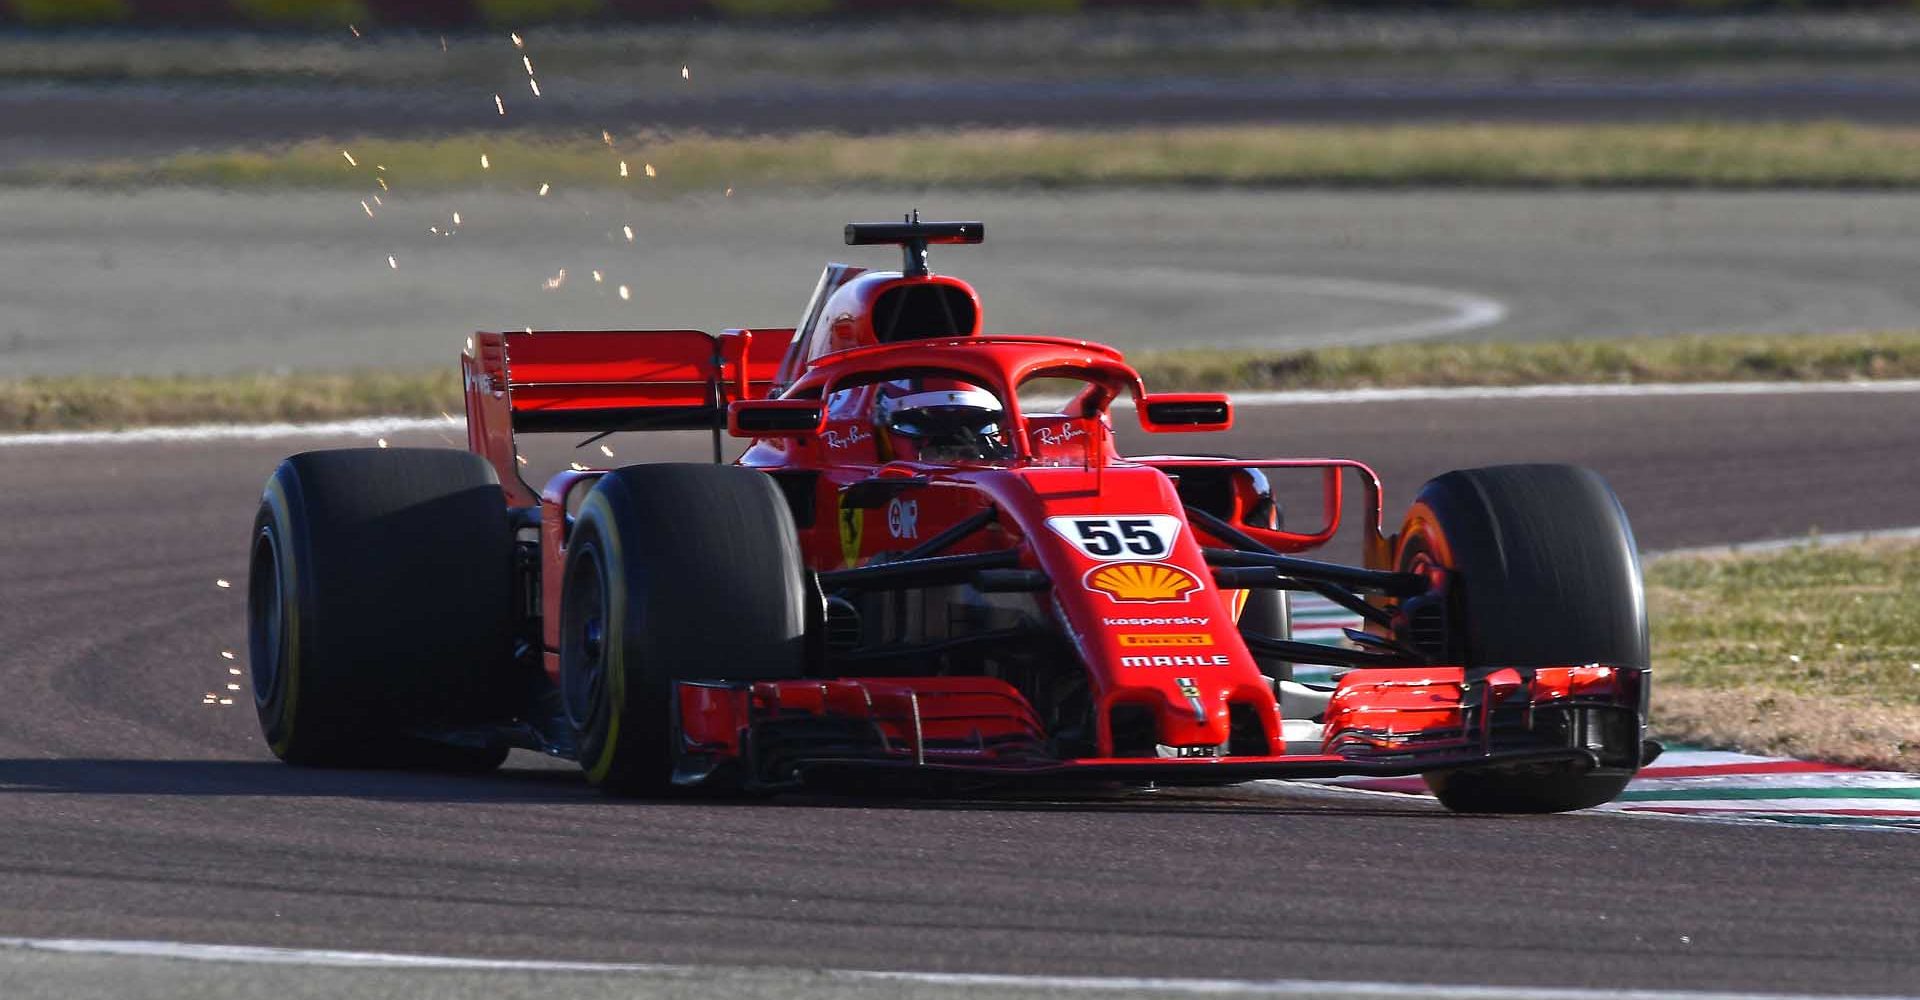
x: 602, y: 381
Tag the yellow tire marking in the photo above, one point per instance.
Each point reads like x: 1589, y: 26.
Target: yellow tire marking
x: 612, y: 631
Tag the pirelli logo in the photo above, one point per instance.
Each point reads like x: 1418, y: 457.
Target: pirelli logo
x: 1167, y: 639
x: 1215, y: 660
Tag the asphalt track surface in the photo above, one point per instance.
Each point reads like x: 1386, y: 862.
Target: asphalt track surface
x: 205, y: 281
x: 57, y: 120
x: 132, y: 811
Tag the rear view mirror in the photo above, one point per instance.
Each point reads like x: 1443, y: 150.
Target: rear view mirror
x: 752, y: 418
x: 1162, y: 412
x: 1288, y: 505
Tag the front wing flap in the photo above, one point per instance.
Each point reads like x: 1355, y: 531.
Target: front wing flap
x: 929, y: 732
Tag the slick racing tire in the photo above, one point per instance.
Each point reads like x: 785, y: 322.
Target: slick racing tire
x: 1544, y: 572
x: 379, y: 609
x: 673, y: 572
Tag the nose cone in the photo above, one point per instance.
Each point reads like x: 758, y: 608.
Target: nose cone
x: 1140, y: 605
x: 1169, y: 711
x: 1193, y: 715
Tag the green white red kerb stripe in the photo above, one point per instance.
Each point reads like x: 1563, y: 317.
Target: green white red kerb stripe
x: 1715, y: 784
x: 1699, y: 783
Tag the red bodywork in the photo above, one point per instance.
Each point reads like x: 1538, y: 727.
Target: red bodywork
x: 1155, y: 634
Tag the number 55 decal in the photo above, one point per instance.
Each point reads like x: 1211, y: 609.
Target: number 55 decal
x: 1122, y: 536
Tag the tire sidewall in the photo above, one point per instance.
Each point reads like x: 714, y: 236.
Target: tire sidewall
x: 281, y: 704
x: 613, y: 716
x: 1451, y: 521
x: 391, y: 570
x: 702, y: 579
x: 1454, y: 518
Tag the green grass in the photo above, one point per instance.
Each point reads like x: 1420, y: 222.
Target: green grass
x: 1700, y: 155
x: 89, y: 402
x: 1813, y: 651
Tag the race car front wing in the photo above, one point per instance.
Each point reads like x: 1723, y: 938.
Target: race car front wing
x: 974, y: 731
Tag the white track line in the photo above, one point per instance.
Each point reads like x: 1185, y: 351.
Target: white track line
x: 251, y: 955
x: 375, y: 426
x: 1461, y: 312
x: 1295, y: 397
x: 1819, y: 541
x: 368, y: 427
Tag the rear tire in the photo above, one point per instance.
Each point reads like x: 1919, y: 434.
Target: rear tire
x: 673, y: 572
x: 1544, y: 572
x: 379, y: 608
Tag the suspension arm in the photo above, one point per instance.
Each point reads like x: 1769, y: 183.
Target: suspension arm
x: 1312, y: 652
x: 933, y: 571
x: 1313, y: 570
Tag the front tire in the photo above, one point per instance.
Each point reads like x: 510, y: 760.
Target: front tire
x: 673, y: 572
x: 379, y: 608
x: 1542, y: 571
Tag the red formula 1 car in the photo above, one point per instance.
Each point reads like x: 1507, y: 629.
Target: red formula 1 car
x: 930, y: 567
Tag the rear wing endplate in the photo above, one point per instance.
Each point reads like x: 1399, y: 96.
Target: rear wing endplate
x: 624, y: 379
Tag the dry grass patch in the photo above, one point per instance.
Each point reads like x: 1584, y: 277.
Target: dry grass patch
x: 1842, y: 730
x: 1707, y: 358
x: 89, y: 402
x: 1664, y: 155
x: 1812, y: 651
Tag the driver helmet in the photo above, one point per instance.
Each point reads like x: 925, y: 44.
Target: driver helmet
x: 962, y: 422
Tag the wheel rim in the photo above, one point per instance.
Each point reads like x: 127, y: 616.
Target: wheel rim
x: 583, y: 631
x: 266, y: 619
x: 1417, y: 557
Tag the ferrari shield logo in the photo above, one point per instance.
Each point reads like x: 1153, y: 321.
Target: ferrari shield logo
x: 852, y: 525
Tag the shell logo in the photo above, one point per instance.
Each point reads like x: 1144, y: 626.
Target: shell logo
x: 1142, y: 582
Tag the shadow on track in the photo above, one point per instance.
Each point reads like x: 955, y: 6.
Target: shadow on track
x: 108, y: 776
x: 218, y: 778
